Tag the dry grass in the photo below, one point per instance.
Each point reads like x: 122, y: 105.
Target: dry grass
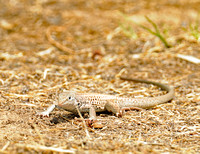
x: 78, y: 45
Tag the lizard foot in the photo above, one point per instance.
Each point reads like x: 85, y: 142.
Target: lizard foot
x: 92, y: 123
x: 42, y: 114
x: 122, y: 110
x: 47, y: 112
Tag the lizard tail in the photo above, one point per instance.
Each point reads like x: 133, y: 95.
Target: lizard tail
x: 152, y: 101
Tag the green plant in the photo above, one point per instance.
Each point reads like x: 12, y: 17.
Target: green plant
x: 156, y: 32
x: 128, y: 31
x: 195, y: 30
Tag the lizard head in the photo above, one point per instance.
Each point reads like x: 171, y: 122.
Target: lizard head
x: 67, y: 101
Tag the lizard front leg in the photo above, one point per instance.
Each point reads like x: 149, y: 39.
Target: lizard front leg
x: 92, y: 121
x: 92, y: 117
x: 46, y: 112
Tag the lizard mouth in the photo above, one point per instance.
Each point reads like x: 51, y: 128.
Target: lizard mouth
x: 67, y: 107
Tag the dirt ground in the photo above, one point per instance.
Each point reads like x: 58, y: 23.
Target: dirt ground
x: 49, y: 46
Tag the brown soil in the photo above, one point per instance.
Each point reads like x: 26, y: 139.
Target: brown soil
x: 48, y: 46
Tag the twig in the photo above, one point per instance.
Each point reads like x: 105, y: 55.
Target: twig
x: 56, y: 43
x: 189, y: 58
x: 38, y: 133
x: 84, y: 124
x: 40, y: 147
x: 5, y: 146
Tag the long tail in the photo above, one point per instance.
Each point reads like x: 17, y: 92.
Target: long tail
x: 148, y: 102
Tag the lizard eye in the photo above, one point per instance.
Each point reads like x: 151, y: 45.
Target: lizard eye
x: 69, y: 97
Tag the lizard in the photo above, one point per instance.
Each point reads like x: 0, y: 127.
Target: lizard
x: 93, y: 102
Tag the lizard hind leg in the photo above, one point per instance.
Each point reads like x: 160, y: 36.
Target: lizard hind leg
x: 113, y: 107
x: 117, y: 110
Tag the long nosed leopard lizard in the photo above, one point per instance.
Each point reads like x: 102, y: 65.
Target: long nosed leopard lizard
x: 90, y: 102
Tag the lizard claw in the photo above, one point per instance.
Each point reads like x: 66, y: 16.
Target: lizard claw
x: 90, y: 123
x: 94, y: 124
x: 42, y: 114
x: 47, y: 112
x: 119, y: 115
